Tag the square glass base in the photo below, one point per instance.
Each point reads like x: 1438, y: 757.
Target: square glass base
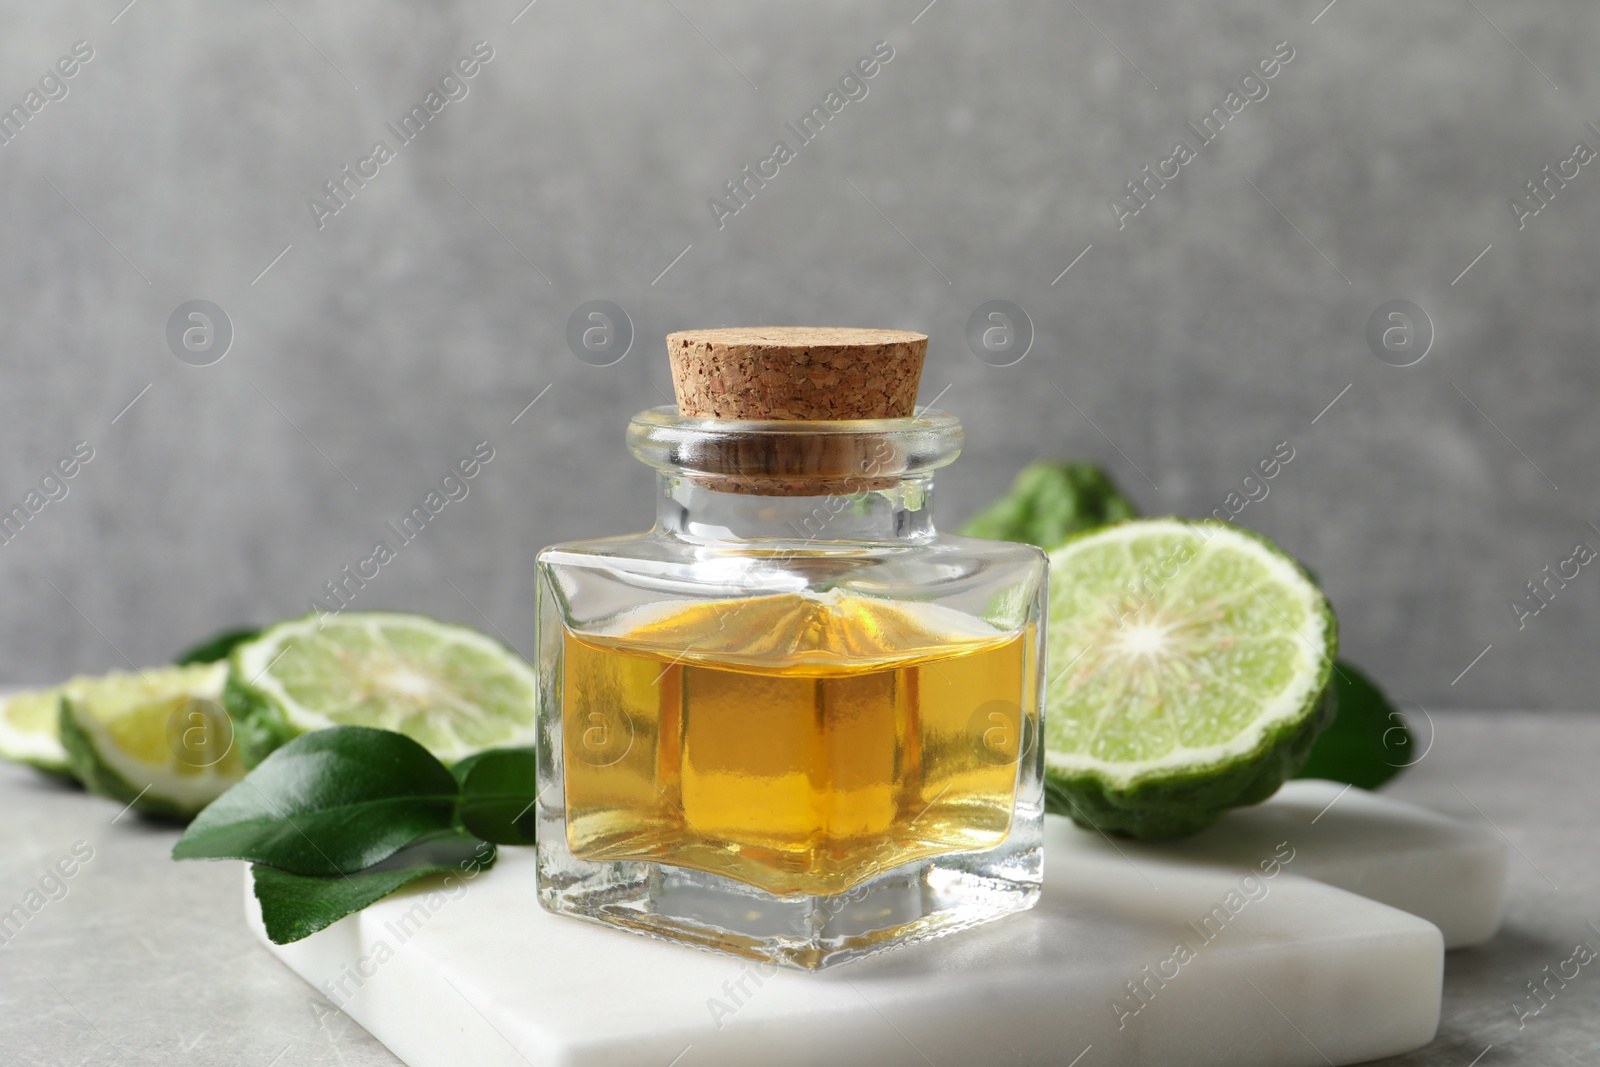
x: 914, y: 902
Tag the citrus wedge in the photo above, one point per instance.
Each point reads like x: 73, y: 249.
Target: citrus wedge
x: 450, y: 688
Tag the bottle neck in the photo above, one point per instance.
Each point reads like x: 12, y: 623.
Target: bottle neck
x: 902, y: 511
x: 814, y: 484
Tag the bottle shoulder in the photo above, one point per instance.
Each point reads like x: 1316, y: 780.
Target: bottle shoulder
x: 982, y: 547
x: 601, y: 577
x: 649, y: 546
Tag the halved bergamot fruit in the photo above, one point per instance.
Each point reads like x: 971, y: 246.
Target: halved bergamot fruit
x: 450, y: 688
x: 1189, y: 667
x: 158, y: 741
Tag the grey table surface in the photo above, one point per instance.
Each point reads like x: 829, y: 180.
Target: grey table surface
x: 146, y: 961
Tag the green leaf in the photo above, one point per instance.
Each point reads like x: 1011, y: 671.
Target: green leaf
x: 1368, y: 742
x: 334, y: 801
x: 258, y: 723
x: 1050, y: 501
x: 498, y: 788
x: 217, y: 646
x: 294, y: 906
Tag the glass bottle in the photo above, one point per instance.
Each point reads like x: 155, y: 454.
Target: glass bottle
x: 792, y: 721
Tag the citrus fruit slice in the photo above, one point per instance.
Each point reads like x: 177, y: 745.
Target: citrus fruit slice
x: 158, y: 741
x: 30, y: 727
x: 1189, y: 667
x: 448, y: 687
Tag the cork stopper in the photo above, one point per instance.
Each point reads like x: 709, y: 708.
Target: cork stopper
x: 796, y: 372
x: 825, y: 374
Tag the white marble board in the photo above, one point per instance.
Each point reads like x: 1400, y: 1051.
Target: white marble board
x: 1316, y: 964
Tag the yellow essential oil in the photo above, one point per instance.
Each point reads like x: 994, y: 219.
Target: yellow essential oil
x: 797, y: 744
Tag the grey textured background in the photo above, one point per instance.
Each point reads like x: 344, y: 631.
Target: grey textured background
x: 429, y: 312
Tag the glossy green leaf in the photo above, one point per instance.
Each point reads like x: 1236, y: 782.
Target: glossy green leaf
x: 216, y: 647
x: 498, y: 788
x: 294, y: 906
x: 1368, y: 742
x: 334, y: 801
